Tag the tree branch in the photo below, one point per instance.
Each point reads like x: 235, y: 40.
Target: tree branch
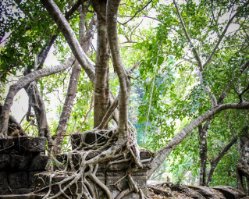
x: 230, y: 83
x: 72, y: 88
x: 222, y: 35
x: 137, y: 12
x: 70, y: 36
x: 21, y: 83
x: 112, y: 9
x: 196, y: 55
x: 38, y: 105
x: 164, y: 152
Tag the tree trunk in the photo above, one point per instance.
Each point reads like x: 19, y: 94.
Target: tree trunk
x: 85, y: 41
x: 67, y: 108
x: 112, y: 10
x: 38, y: 105
x: 101, y: 84
x: 24, y: 81
x: 203, y: 151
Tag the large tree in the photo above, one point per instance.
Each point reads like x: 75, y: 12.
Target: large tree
x: 188, y: 70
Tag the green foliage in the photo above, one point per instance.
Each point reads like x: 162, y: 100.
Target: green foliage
x: 28, y: 34
x: 171, y: 92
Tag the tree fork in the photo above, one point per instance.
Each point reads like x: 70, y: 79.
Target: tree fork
x: 217, y: 159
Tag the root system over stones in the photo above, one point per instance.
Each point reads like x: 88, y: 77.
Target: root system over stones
x: 85, y: 172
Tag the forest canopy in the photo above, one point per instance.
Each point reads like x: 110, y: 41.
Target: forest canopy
x: 170, y: 76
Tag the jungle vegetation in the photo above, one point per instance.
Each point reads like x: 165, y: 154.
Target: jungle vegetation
x: 169, y: 76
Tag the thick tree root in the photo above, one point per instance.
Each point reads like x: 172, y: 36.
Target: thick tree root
x: 83, y: 163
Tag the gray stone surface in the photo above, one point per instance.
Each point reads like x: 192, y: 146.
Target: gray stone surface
x: 20, y: 159
x: 23, y: 144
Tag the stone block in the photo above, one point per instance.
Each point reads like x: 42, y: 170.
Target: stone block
x: 3, y: 180
x: 141, y: 181
x: 4, y: 161
x: 116, y: 173
x: 31, y: 178
x: 31, y: 144
x: 146, y: 155
x: 23, y: 144
x: 7, y: 145
x: 18, y: 180
x: 140, y: 172
x: 19, y: 162
x: 119, y: 166
x: 120, y: 181
x: 38, y: 163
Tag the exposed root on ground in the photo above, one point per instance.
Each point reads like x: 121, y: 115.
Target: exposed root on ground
x: 81, y: 166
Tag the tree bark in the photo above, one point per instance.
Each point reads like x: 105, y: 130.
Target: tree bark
x: 101, y: 84
x: 34, y: 95
x: 112, y: 9
x: 203, y: 152
x: 164, y: 152
x: 67, y: 108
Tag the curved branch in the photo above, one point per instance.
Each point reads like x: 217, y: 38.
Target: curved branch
x: 164, y: 152
x: 21, y: 83
x: 70, y: 37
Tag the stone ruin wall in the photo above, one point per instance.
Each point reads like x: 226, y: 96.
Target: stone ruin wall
x: 22, y: 170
